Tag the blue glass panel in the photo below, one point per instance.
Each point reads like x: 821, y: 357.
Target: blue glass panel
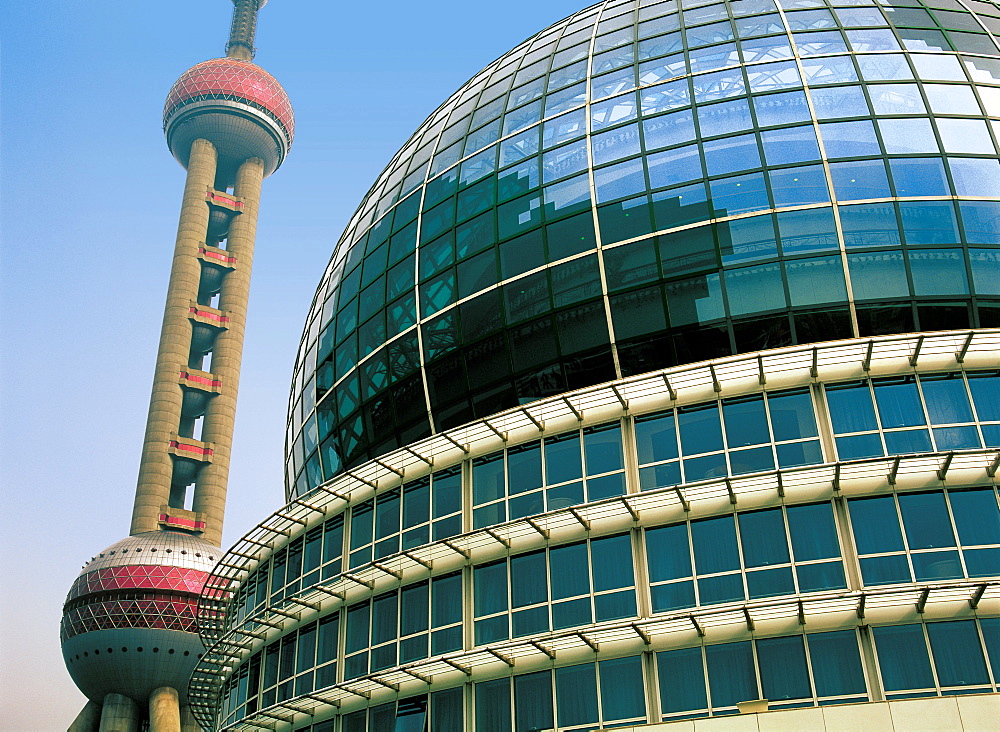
x: 859, y: 179
x: 660, y: 476
x: 851, y: 408
x: 976, y: 177
x: 976, y: 516
x: 656, y: 439
x: 669, y: 129
x: 701, y: 468
x: 622, y: 689
x: 902, y: 656
x: 524, y: 468
x: 878, y: 275
x: 836, y: 663
x: 568, y: 494
x: 746, y: 422
x: 875, y: 524
x: 956, y: 438
x: 674, y: 166
x: 715, y: 545
x: 748, y: 239
x: 718, y: 85
x: 576, y: 695
x: 781, y: 109
x: 682, y: 680
x: 814, y: 533
x: 612, y: 562
x: 770, y: 582
x: 821, y: 576
x: 884, y: 67
x: 731, y: 674
x: 490, y: 583
x: 919, y: 177
x: 724, y: 118
x: 667, y: 553
x: 571, y: 613
x: 614, y: 606
x: 839, y: 101
x: 493, y: 706
x: 606, y: 486
x: 885, y: 570
x: 938, y: 272
x: 755, y: 289
x: 763, y: 538
x: 562, y: 459
x: 799, y: 186
x: 905, y: 136
x: 898, y: 402
x: 929, y: 222
x: 965, y: 136
x: 754, y: 460
x: 872, y: 39
x: 783, y: 670
x: 930, y: 566
x: 603, y: 449
x: 799, y: 453
x: 675, y: 596
x: 991, y: 435
x: 815, y: 281
x: 849, y: 139
x: 982, y: 562
x: 730, y: 154
x: 859, y: 446
x: 805, y: 231
x: 790, y: 145
x: 528, y: 579
x: 985, y: 263
x: 664, y: 97
x: 958, y: 654
x: 529, y: 622
x: 946, y: 399
x: 773, y: 76
x: 700, y: 429
x: 739, y: 194
x: 985, y: 387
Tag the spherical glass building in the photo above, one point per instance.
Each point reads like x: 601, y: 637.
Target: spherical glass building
x: 656, y: 378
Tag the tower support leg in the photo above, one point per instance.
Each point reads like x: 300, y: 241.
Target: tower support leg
x: 119, y: 714
x: 164, y: 710
x: 188, y: 723
x: 88, y: 720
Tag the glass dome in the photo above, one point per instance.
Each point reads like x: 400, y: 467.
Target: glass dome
x: 649, y: 183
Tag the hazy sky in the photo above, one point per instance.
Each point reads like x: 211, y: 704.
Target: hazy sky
x: 90, y: 197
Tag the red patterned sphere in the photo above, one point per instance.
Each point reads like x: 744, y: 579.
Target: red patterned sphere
x: 235, y: 105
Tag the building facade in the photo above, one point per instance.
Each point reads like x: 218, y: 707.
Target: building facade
x: 655, y: 379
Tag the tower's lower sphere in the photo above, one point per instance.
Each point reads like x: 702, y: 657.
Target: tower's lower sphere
x: 129, y: 624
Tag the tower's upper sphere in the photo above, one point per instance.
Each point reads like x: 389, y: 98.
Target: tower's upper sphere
x: 235, y: 105
x: 129, y: 624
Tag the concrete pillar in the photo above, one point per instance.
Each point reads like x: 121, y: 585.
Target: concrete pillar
x: 164, y: 710
x: 220, y: 416
x: 119, y: 714
x: 156, y: 466
x: 88, y: 720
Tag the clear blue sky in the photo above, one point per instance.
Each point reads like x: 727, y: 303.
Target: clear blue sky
x: 90, y: 197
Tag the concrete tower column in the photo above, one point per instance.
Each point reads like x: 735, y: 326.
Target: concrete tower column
x: 220, y: 415
x: 119, y: 714
x: 88, y: 720
x: 164, y: 710
x: 156, y: 465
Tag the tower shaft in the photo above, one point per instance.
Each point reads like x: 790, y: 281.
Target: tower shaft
x: 201, y: 344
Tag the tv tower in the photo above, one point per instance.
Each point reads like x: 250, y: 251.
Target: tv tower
x: 129, y: 626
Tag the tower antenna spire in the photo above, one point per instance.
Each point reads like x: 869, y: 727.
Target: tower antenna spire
x: 241, y: 34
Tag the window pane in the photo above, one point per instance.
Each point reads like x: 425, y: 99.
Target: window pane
x: 603, y: 449
x: 876, y: 528
x: 656, y: 439
x: 986, y: 394
x: 527, y: 574
x: 976, y: 516
x: 715, y: 545
x: 958, y: 654
x: 792, y: 416
x: 493, y: 706
x: 925, y: 518
x: 783, y: 672
x: 851, y: 408
x: 814, y: 534
x: 682, y: 680
x: 490, y: 588
x: 576, y: 694
x: 612, y: 562
x: 667, y: 552
x: 533, y: 701
x: 524, y: 468
x: 622, y: 689
x: 570, y: 576
x: 562, y: 458
x: 746, y: 423
x: 731, y: 673
x: 836, y: 663
x: 902, y: 657
x: 446, y: 711
x: 763, y: 536
x: 898, y: 402
x: 700, y: 429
